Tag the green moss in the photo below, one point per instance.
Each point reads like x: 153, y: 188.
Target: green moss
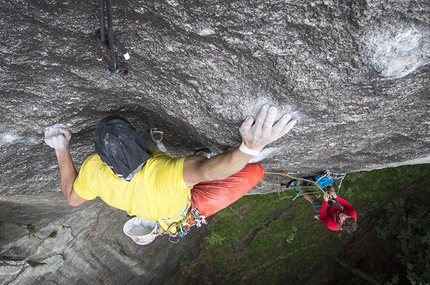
x: 155, y: 252
x: 184, y: 258
x: 226, y: 213
x: 214, y: 239
x: 31, y: 229
x: 53, y: 234
x: 377, y: 185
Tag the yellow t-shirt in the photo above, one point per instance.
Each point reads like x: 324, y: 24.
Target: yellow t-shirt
x: 157, y: 191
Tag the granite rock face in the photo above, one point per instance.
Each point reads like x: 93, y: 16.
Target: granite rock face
x: 355, y: 73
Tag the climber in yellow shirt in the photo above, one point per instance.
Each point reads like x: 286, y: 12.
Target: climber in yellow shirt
x: 152, y: 185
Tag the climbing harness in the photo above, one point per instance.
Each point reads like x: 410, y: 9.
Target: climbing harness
x: 143, y: 231
x: 107, y: 45
x: 179, y: 227
x: 315, y: 185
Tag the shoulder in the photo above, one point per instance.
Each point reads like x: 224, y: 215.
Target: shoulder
x: 91, y: 162
x: 158, y: 153
x: 341, y: 200
x: 162, y: 164
x: 93, y: 158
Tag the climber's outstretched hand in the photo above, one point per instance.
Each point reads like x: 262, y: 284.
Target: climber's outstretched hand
x: 258, y: 133
x: 57, y: 136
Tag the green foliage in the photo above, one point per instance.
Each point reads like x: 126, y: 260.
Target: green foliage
x: 225, y: 213
x: 276, y: 253
x: 184, y: 258
x: 278, y: 232
x: 292, y: 235
x: 372, y: 190
x: 214, y: 239
x: 394, y: 280
x: 404, y: 228
x: 353, y: 177
x: 53, y: 234
x: 1, y: 224
x: 206, y: 280
x: 348, y: 189
x: 31, y: 229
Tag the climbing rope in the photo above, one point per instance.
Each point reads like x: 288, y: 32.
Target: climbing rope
x: 107, y: 45
x: 297, y: 186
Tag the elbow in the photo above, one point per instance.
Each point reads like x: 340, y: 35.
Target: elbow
x: 73, y: 199
x: 73, y: 203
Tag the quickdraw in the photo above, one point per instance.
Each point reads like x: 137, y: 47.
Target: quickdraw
x: 107, y: 43
x: 157, y: 137
x: 180, y: 228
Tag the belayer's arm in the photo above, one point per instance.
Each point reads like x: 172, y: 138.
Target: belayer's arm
x: 323, y: 211
x: 348, y: 208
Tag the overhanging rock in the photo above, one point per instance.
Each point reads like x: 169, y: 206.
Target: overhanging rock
x: 354, y: 73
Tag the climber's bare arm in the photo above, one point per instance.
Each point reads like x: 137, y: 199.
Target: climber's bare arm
x: 255, y: 136
x: 58, y: 137
x: 198, y: 168
x: 68, y: 175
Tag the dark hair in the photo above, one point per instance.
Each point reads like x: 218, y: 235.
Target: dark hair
x: 349, y: 225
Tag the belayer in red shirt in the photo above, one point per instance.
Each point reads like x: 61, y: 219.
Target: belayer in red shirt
x: 335, y: 212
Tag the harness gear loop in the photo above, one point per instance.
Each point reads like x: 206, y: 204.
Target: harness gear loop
x: 180, y: 227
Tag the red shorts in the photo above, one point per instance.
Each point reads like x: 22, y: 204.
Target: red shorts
x: 211, y: 197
